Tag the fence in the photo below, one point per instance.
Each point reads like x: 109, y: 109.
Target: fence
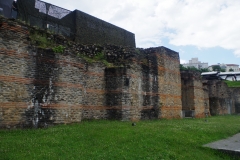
x: 46, y: 16
x: 5, y: 7
x: 77, y: 25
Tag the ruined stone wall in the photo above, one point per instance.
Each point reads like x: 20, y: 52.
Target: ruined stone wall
x: 39, y: 87
x: 194, y: 97
x: 206, y: 98
x: 143, y: 89
x: 236, y: 98
x: 169, y: 82
x: 15, y: 82
x: 221, y: 100
x: 34, y: 89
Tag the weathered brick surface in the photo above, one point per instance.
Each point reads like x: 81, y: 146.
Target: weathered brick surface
x: 221, y: 98
x: 39, y: 87
x: 194, y: 98
x: 169, y: 82
x: 236, y: 99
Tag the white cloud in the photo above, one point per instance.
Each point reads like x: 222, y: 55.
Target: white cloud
x: 201, y: 23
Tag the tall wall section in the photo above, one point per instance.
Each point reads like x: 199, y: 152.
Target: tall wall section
x: 169, y: 82
x: 236, y: 98
x: 35, y: 88
x: 144, y: 86
x: 195, y: 101
x: 15, y: 83
x: 39, y: 87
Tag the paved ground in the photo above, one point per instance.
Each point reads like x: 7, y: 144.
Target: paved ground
x: 230, y: 145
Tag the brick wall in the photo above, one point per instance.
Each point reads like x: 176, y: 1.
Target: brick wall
x: 39, y: 87
x: 194, y: 96
x: 221, y: 98
x: 169, y: 83
x: 236, y: 98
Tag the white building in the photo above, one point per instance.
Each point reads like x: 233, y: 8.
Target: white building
x: 222, y: 66
x: 195, y: 63
x: 235, y: 67
x: 226, y: 67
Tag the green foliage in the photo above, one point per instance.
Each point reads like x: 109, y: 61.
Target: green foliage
x: 233, y: 83
x: 100, y: 57
x: 86, y: 58
x: 231, y: 70
x: 137, y: 50
x: 58, y: 49
x: 216, y: 68
x: 182, y: 68
x: 223, y: 70
x: 106, y: 63
x: 193, y: 69
x: 204, y: 70
x: 156, y: 139
x: 41, y: 40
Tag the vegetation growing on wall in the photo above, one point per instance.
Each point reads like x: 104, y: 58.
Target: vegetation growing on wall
x: 100, y: 57
x: 58, y: 49
x: 41, y: 40
x: 109, y: 55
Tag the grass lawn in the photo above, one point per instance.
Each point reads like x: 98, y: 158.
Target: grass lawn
x: 157, y: 139
x: 233, y: 83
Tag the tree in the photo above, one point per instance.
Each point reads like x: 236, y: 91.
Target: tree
x: 231, y: 70
x: 193, y: 69
x: 216, y: 68
x: 182, y: 68
x: 204, y: 70
x: 223, y: 70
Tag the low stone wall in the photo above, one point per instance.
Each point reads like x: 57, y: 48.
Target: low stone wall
x: 222, y: 98
x: 39, y: 87
x: 236, y: 97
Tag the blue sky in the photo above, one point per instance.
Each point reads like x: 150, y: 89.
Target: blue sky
x: 205, y: 29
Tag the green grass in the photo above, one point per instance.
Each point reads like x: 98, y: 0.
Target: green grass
x: 233, y: 83
x: 158, y: 139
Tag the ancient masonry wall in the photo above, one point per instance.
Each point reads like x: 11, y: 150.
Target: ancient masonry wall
x: 29, y: 89
x: 169, y: 83
x: 221, y: 99
x: 39, y: 87
x: 194, y: 96
x: 206, y: 99
x: 144, y: 88
x: 236, y: 98
x: 14, y: 84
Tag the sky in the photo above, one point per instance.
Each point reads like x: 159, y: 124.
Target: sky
x: 205, y: 29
